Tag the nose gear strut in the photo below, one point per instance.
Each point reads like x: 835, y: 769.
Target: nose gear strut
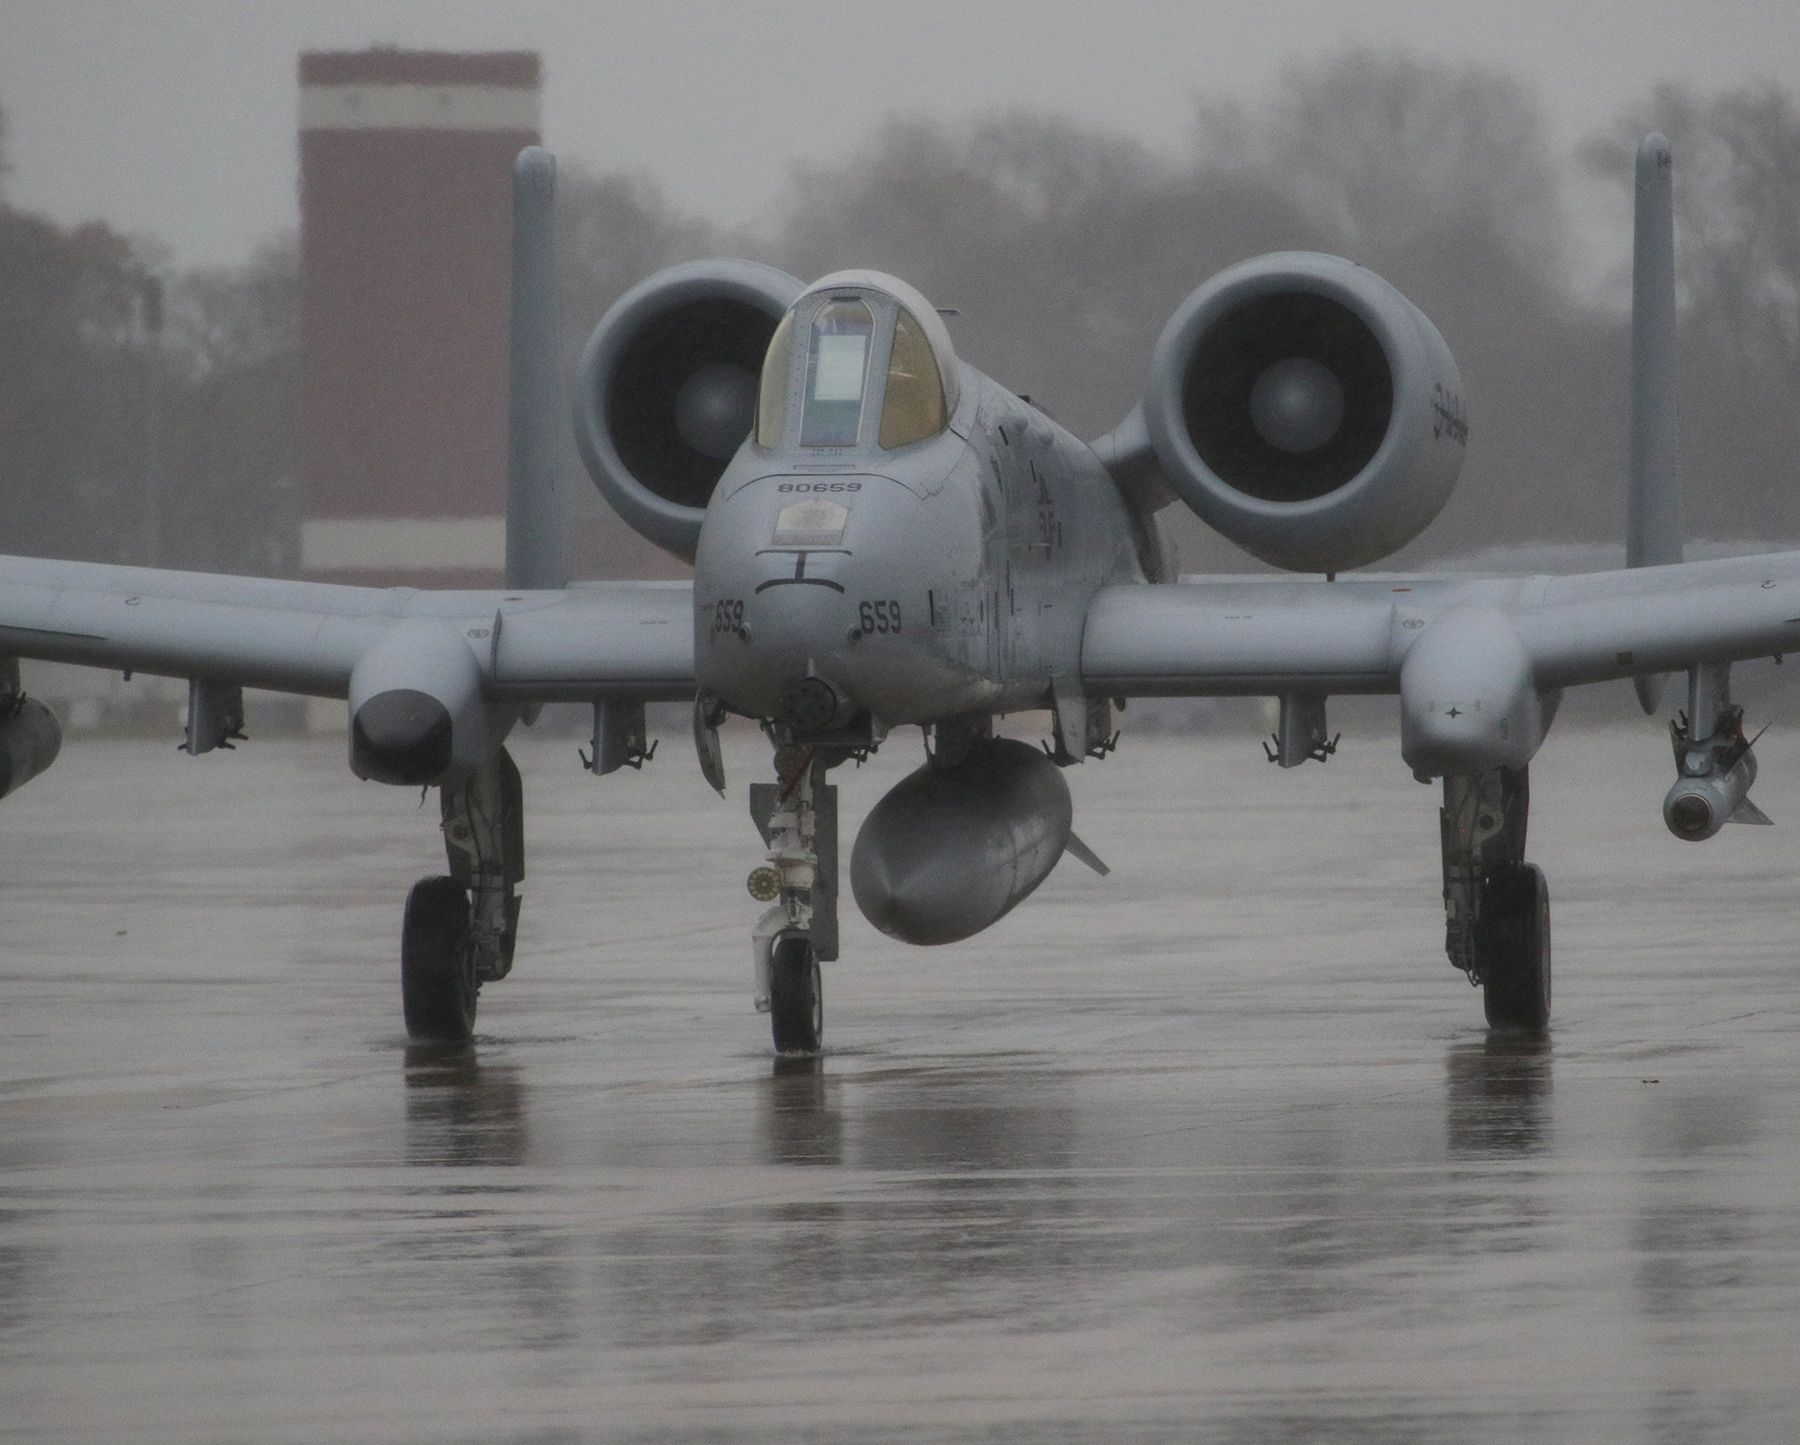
x: 797, y: 817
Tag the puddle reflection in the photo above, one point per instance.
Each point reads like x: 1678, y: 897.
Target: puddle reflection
x: 1497, y: 1096
x: 461, y: 1111
x: 799, y: 1114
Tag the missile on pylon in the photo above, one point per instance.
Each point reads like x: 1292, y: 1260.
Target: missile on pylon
x: 1713, y: 788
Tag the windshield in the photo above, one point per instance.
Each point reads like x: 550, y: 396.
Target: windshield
x: 771, y: 398
x: 837, y: 362
x: 856, y: 364
x: 912, y: 408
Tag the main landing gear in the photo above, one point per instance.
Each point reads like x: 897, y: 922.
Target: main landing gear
x: 797, y: 817
x: 459, y: 930
x: 1496, y: 905
x: 437, y: 962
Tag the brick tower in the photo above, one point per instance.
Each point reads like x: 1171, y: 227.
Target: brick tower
x: 405, y: 229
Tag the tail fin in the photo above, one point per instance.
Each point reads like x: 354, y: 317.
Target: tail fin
x: 1653, y: 527
x: 535, y: 552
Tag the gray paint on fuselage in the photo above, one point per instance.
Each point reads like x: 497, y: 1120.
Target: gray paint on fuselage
x: 991, y: 537
x: 1063, y: 531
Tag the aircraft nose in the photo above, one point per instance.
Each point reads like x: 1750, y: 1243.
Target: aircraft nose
x: 816, y: 600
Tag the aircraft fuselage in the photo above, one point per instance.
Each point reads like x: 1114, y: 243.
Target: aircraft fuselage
x: 945, y: 578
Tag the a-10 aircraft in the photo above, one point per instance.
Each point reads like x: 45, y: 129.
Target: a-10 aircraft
x: 883, y: 537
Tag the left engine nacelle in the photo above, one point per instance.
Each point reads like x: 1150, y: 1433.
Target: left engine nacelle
x: 1307, y: 411
x: 666, y: 391
x: 418, y: 713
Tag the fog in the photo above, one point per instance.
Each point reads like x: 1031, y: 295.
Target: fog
x: 1064, y: 243
x: 174, y: 118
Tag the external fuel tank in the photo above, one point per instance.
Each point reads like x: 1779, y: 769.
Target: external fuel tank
x: 950, y: 850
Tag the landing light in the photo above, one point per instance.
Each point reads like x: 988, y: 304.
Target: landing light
x: 815, y: 522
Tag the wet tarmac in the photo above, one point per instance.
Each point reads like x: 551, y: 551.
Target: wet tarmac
x: 1215, y: 1148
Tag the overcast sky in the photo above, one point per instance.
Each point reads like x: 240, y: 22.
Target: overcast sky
x: 177, y: 117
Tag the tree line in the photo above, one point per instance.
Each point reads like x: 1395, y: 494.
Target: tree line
x: 1064, y: 249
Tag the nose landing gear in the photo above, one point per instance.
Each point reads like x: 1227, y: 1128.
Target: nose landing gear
x: 797, y: 817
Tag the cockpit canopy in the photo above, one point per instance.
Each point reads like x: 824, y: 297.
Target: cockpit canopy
x: 824, y: 384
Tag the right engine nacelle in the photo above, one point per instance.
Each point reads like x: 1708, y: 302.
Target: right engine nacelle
x: 666, y: 392
x: 1307, y: 411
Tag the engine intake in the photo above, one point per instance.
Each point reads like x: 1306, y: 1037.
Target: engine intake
x: 1307, y: 410
x: 666, y: 391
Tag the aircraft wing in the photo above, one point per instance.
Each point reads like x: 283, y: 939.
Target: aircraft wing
x: 1263, y: 636
x: 630, y: 640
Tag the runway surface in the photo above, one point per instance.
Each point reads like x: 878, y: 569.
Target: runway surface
x: 1215, y: 1148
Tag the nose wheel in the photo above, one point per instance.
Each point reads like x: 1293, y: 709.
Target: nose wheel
x: 796, y: 995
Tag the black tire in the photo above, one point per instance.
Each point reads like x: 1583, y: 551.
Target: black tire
x: 796, y: 998
x: 437, y: 963
x: 1515, y: 950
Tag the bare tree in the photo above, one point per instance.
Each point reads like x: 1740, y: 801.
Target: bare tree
x: 1737, y: 197
x: 1065, y: 249
x: 1738, y: 177
x: 1395, y: 153
x: 232, y: 441
x: 69, y: 389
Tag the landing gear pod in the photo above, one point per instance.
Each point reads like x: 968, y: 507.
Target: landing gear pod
x: 29, y: 741
x: 417, y: 713
x: 951, y: 850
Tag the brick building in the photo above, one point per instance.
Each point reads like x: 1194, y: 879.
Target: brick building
x: 405, y: 229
